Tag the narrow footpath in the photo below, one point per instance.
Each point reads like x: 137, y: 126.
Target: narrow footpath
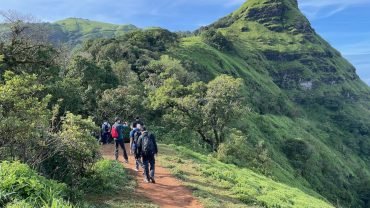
x: 168, y: 192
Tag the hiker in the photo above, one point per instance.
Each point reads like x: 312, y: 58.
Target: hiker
x: 147, y: 149
x: 126, y: 133
x: 134, y: 136
x: 105, y: 132
x: 138, y: 121
x: 117, y: 134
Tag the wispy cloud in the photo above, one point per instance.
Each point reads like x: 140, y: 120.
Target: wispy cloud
x: 359, y: 48
x: 325, y: 8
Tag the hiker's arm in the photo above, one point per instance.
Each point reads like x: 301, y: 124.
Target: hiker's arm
x: 131, y: 141
x: 155, y: 145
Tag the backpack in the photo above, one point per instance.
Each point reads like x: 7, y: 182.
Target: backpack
x: 114, y: 132
x: 137, y: 134
x: 147, y: 145
x: 106, y: 128
x: 126, y: 132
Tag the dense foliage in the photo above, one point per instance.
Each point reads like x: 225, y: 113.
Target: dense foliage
x: 259, y: 89
x: 22, y: 187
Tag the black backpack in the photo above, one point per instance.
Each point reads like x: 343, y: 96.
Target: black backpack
x: 136, y: 136
x: 106, y: 128
x: 148, y: 147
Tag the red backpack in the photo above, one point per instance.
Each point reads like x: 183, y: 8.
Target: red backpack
x: 114, y: 132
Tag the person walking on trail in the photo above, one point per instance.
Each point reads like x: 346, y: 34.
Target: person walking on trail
x: 105, y: 132
x: 117, y: 134
x: 126, y: 132
x: 147, y: 149
x: 138, y: 122
x: 134, y: 136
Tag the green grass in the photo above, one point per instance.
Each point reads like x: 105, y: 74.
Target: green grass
x: 78, y: 30
x: 110, y: 186
x: 217, y: 184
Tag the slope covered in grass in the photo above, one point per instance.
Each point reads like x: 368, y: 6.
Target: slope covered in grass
x: 79, y: 30
x: 218, y: 184
x: 310, y: 110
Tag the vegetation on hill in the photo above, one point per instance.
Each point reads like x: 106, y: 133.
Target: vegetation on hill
x: 76, y: 30
x: 222, y: 185
x: 258, y: 89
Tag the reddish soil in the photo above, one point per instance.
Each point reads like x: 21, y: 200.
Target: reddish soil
x: 167, y: 192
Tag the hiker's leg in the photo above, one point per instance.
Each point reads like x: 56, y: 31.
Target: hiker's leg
x: 137, y: 162
x: 105, y: 138
x: 141, y: 162
x: 152, y: 166
x: 116, y: 149
x: 122, y: 143
x: 146, y: 167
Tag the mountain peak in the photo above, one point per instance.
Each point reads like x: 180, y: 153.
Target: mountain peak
x: 276, y: 15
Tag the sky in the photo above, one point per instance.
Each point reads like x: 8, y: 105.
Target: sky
x: 343, y: 23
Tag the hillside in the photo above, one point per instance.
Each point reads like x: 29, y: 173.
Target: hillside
x: 312, y: 110
x: 277, y: 116
x: 76, y: 30
x: 222, y: 185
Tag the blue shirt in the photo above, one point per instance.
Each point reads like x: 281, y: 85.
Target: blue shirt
x: 132, y: 133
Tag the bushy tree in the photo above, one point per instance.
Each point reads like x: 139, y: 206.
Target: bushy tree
x: 126, y: 102
x: 77, y: 150
x: 207, y: 109
x: 166, y: 67
x: 25, y: 48
x: 24, y: 119
x: 216, y: 39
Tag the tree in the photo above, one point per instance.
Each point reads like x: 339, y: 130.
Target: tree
x: 24, y: 119
x: 94, y: 78
x: 25, y: 47
x: 207, y: 109
x: 126, y: 102
x: 77, y: 149
x: 166, y: 67
x: 216, y: 39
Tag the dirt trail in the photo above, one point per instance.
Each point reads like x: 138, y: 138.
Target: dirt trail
x: 166, y: 193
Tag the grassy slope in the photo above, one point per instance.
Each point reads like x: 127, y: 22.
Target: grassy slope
x: 78, y: 30
x: 315, y: 61
x: 218, y: 184
x: 124, y: 194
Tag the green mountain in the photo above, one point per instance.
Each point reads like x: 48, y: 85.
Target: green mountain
x: 312, y: 110
x: 309, y: 124
x: 76, y: 30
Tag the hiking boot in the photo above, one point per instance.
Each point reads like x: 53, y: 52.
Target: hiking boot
x: 152, y: 179
x: 146, y: 180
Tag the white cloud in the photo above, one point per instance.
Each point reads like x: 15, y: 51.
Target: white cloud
x: 325, y: 8
x: 362, y: 47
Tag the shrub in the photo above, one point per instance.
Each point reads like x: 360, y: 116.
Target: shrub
x: 217, y: 40
x: 25, y: 187
x: 298, y: 152
x: 106, y: 176
x: 76, y: 150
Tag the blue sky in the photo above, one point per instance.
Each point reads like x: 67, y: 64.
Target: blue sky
x: 344, y: 23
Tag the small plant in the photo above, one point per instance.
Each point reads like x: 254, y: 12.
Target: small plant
x: 18, y: 182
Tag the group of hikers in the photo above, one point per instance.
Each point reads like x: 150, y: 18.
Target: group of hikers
x: 143, y: 145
